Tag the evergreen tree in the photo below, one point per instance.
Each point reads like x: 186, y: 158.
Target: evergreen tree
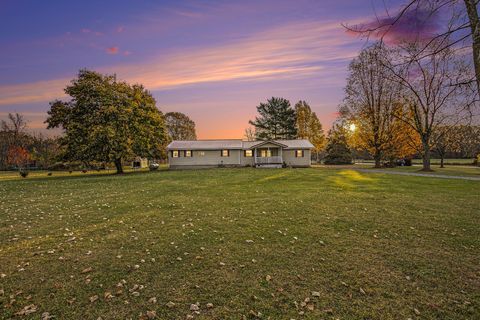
x: 338, y: 151
x: 276, y: 121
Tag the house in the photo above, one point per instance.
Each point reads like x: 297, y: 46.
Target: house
x: 238, y: 153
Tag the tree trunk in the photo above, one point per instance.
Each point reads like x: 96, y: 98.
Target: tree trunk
x: 426, y: 158
x: 441, y: 162
x: 118, y: 165
x: 377, y: 161
x: 475, y: 27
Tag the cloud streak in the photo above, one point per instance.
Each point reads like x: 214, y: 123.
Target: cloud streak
x: 295, y: 50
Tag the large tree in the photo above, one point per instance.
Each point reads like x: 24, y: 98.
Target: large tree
x: 180, y: 126
x: 371, y: 102
x: 431, y: 95
x: 276, y: 120
x: 309, y: 126
x: 107, y: 120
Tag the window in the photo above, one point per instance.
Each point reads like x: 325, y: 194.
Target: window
x: 248, y: 153
x: 175, y: 154
x: 225, y: 153
x: 299, y: 153
x: 202, y: 153
x: 265, y: 153
x: 187, y: 153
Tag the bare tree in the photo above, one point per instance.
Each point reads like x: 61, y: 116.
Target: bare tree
x: 431, y: 91
x: 463, y: 26
x: 250, y: 134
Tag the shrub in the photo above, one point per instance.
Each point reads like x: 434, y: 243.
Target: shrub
x: 23, y: 173
x: 49, y: 174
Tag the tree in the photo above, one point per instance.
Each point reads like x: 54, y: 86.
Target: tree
x: 12, y: 133
x: 44, y: 150
x: 466, y: 140
x: 180, y: 126
x: 338, y: 150
x: 443, y: 140
x: 250, y: 134
x: 371, y: 103
x: 431, y: 96
x: 462, y: 25
x: 276, y: 120
x: 107, y: 120
x: 18, y: 157
x: 309, y: 127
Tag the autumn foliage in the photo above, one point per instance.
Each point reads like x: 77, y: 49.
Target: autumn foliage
x: 18, y: 156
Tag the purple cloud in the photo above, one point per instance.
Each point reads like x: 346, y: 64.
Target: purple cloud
x: 413, y: 24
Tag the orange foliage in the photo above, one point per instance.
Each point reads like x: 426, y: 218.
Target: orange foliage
x: 17, y: 156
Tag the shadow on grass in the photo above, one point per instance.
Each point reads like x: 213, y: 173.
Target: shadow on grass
x: 65, y: 175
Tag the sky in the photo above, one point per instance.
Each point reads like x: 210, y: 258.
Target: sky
x: 212, y: 60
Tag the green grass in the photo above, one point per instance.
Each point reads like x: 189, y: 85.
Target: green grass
x: 459, y: 161
x: 451, y: 161
x: 374, y: 246
x: 472, y: 171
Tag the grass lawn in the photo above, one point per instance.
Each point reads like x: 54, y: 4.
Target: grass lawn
x: 453, y: 161
x: 250, y: 242
x: 466, y: 171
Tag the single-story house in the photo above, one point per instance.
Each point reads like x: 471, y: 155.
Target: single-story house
x: 238, y: 153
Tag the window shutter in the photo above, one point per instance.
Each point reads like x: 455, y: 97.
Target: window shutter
x: 296, y: 153
x: 228, y: 153
x: 303, y: 153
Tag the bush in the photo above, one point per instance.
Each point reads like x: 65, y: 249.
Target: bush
x: 49, y: 174
x: 338, y: 153
x: 23, y: 173
x: 337, y: 150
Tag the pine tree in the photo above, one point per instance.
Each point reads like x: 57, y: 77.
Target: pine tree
x: 338, y: 151
x: 276, y: 121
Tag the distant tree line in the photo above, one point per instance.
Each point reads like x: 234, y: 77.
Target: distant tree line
x: 20, y: 149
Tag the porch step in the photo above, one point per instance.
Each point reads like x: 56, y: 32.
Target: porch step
x: 268, y: 166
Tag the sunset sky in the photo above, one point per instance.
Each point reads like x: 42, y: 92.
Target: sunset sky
x: 213, y: 60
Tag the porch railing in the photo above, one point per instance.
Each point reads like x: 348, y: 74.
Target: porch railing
x: 268, y: 160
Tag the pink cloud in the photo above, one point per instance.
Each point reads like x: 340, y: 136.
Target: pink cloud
x: 120, y: 29
x: 126, y: 53
x: 112, y: 50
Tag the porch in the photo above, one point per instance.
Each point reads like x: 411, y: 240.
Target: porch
x: 267, y: 156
